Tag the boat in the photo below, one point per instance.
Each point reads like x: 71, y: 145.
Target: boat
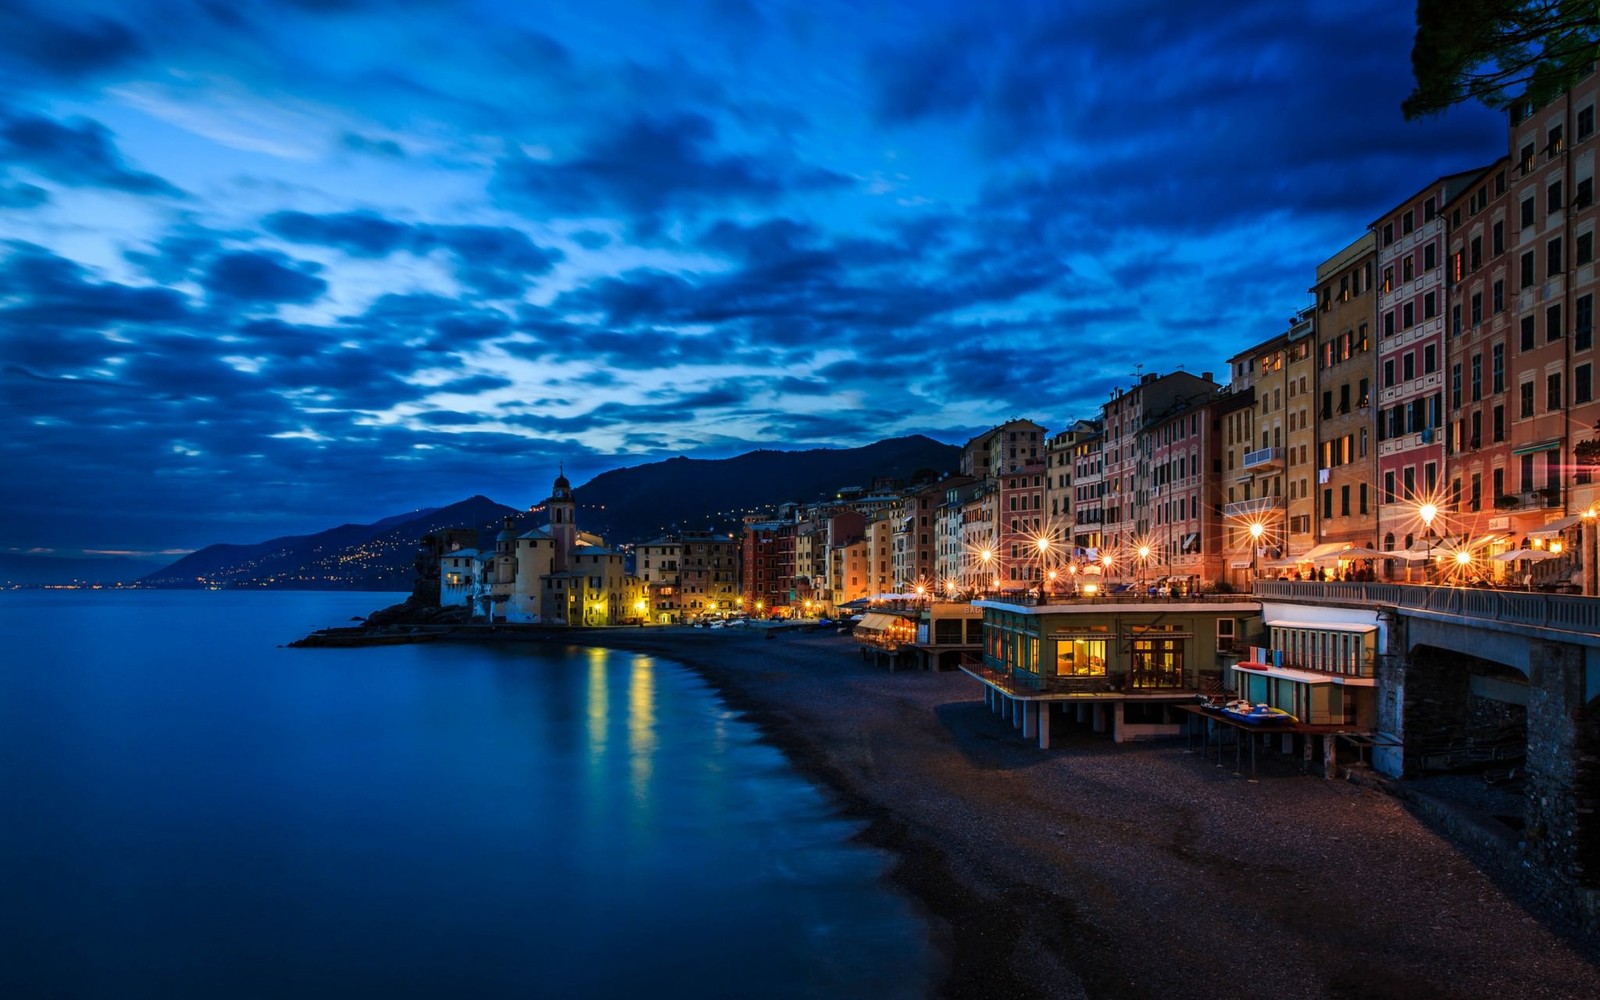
x: 1256, y: 715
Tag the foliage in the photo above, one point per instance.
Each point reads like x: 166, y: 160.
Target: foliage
x: 1498, y: 51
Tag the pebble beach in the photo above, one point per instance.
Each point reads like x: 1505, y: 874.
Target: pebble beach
x: 1137, y: 870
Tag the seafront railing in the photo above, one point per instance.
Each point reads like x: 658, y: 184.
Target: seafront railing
x: 1536, y: 610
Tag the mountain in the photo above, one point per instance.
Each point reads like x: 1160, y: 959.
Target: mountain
x: 377, y: 556
x: 20, y: 570
x: 642, y: 502
x: 624, y: 505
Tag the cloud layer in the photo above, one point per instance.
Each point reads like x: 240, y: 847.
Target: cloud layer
x: 265, y: 266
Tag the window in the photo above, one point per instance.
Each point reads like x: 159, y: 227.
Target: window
x: 1388, y: 323
x: 1499, y: 364
x: 1499, y: 303
x: 1388, y: 238
x: 1525, y: 158
x: 1363, y: 397
x: 1527, y: 211
x: 1344, y: 501
x: 1477, y: 377
x: 1584, y: 253
x: 1455, y: 320
x: 1388, y: 280
x: 1408, y: 366
x: 1388, y: 373
x: 1430, y: 359
x: 1583, y: 323
x: 1585, y: 122
x: 1582, y: 384
x: 1527, y: 269
x: 1525, y: 408
x: 1476, y: 255
x: 1388, y: 487
x: 1552, y: 251
x: 1552, y: 199
x: 1499, y: 423
x: 1552, y: 323
x: 1408, y: 315
x: 1477, y: 308
x: 1407, y: 271
x: 1407, y: 221
x: 1430, y: 306
x: 1585, y: 195
x: 1527, y: 333
x: 1430, y: 257
x: 1552, y: 392
x: 1499, y: 238
x: 1455, y: 386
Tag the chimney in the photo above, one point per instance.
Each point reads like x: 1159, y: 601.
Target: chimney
x: 1206, y: 376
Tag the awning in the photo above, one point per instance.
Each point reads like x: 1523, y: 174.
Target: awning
x: 1325, y: 626
x: 1482, y: 540
x: 1554, y: 528
x: 1314, y: 676
x: 1529, y: 449
x: 1324, y: 551
x: 1536, y: 555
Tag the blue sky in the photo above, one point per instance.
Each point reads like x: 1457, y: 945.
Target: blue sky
x: 266, y: 267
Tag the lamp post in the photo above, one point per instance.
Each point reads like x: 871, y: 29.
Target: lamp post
x: 1428, y: 512
x: 1144, y: 555
x: 986, y: 556
x: 1256, y: 530
x: 1043, y: 544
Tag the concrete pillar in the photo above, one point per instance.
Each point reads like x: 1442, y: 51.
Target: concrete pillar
x: 1082, y: 710
x: 1028, y: 718
x: 1330, y: 757
x: 1116, y: 722
x: 1099, y: 717
x: 1044, y: 725
x: 1017, y: 708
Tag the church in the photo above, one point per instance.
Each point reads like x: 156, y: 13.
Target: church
x: 551, y: 575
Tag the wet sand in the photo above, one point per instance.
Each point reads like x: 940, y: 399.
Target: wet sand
x: 1140, y: 870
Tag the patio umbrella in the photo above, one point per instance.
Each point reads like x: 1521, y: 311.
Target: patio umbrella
x: 1532, y: 554
x: 1364, y: 554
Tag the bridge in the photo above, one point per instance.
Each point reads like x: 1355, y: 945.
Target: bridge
x: 1461, y: 663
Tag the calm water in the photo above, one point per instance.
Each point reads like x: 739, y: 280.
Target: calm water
x: 187, y: 810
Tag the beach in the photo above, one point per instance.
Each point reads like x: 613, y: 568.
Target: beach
x: 1136, y: 870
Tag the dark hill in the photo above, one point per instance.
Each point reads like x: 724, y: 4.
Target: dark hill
x: 377, y: 556
x: 639, y: 503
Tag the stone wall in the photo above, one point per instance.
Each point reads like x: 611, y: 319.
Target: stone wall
x: 1555, y: 704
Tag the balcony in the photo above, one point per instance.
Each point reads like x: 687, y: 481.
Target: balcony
x: 1263, y: 460
x: 1252, y: 508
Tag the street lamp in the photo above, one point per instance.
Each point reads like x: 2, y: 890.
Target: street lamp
x: 1043, y: 543
x: 1256, y: 530
x: 1144, y: 554
x: 986, y: 556
x: 1428, y: 512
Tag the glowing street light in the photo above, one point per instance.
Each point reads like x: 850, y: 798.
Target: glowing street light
x: 1256, y: 531
x: 1144, y: 556
x: 1428, y: 511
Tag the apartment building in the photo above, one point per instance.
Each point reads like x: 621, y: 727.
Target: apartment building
x: 1411, y: 241
x: 1346, y: 512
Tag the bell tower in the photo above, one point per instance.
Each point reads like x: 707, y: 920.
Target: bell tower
x: 563, y: 519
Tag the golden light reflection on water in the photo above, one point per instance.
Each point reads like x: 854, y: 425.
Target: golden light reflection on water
x: 599, y: 694
x: 642, y: 725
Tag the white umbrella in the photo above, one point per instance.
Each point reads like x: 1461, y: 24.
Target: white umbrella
x: 1531, y: 554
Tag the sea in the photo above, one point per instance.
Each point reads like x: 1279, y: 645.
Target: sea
x: 190, y: 809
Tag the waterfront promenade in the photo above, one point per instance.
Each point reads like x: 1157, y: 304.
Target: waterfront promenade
x: 1129, y: 871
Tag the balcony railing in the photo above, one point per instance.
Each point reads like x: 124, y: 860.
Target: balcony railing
x: 1264, y: 458
x: 1252, y: 508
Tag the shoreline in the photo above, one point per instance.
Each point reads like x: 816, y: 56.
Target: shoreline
x: 1106, y: 871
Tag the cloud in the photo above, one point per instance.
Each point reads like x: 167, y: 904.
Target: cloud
x: 80, y: 154
x: 60, y: 44
x: 251, y: 276
x: 649, y: 166
x: 495, y: 260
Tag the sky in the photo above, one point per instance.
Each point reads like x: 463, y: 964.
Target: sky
x: 268, y: 267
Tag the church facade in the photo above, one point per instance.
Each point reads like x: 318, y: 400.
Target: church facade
x: 552, y: 575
